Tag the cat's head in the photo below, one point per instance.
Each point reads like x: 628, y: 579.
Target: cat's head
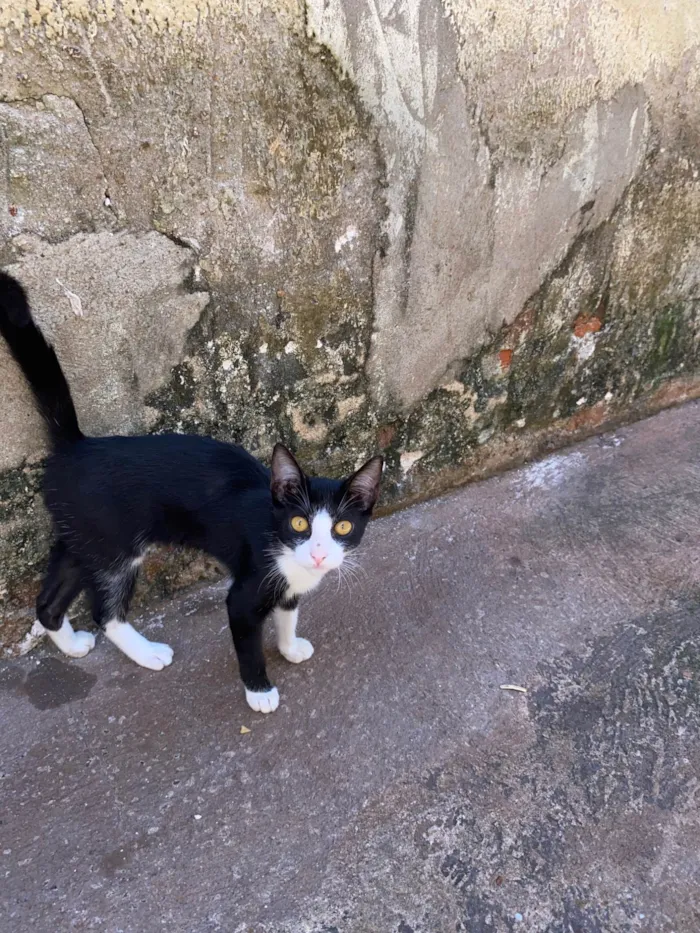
x: 318, y: 521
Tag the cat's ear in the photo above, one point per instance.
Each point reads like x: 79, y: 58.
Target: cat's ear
x: 287, y: 477
x: 363, y: 486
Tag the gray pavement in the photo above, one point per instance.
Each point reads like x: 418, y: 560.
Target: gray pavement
x: 397, y: 789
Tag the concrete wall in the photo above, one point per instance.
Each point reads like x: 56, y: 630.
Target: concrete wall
x: 459, y: 231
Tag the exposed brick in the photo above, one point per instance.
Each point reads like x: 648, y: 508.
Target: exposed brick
x: 587, y: 324
x: 506, y: 357
x: 587, y: 417
x: 385, y: 435
x: 675, y: 391
x: 522, y: 324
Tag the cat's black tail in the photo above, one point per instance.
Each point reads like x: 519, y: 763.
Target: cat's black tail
x: 38, y: 362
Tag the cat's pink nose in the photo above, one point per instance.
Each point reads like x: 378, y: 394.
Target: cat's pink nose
x: 318, y: 559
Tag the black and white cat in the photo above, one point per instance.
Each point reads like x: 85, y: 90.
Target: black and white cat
x: 278, y: 531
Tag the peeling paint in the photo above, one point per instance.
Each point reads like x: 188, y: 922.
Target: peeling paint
x: 584, y: 347
x: 604, y: 45
x: 161, y: 17
x: 347, y: 238
x: 348, y: 406
x: 409, y: 458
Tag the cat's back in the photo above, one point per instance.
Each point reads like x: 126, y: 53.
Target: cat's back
x: 159, y: 465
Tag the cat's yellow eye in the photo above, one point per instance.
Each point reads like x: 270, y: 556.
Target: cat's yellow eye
x: 299, y: 523
x: 343, y: 528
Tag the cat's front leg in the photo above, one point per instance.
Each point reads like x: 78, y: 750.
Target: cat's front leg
x: 246, y: 626
x: 294, y: 649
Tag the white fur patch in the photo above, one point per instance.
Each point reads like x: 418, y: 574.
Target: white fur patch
x: 150, y: 654
x: 292, y: 648
x: 74, y: 644
x: 263, y: 702
x: 299, y: 579
x: 299, y: 650
x: 298, y: 566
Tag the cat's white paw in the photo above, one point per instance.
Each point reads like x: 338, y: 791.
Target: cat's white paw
x: 297, y: 651
x: 83, y: 642
x: 266, y: 702
x: 151, y: 654
x: 157, y: 656
x: 74, y: 644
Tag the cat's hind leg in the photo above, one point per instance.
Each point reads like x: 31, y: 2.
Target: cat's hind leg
x: 61, y: 585
x: 111, y: 591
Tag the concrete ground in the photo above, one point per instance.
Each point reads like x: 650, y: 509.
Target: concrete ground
x: 397, y: 788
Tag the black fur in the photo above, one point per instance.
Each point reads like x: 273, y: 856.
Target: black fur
x: 38, y: 362
x: 111, y: 497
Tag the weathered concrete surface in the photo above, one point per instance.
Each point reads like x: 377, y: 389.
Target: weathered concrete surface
x: 138, y: 312
x: 508, y: 135
x: 444, y: 228
x: 398, y: 788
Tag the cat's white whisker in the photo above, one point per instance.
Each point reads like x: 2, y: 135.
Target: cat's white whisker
x: 349, y: 578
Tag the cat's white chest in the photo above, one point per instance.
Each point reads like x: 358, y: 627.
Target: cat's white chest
x: 299, y: 579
